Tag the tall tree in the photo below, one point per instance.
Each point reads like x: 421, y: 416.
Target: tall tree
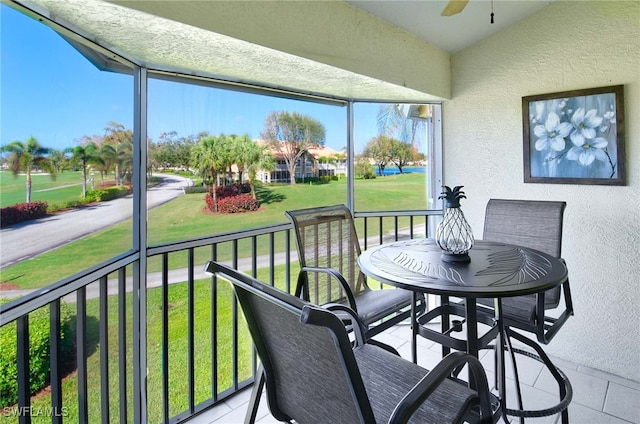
x: 27, y: 155
x: 292, y: 134
x: 85, y: 155
x: 401, y: 153
x: 379, y: 149
x: 163, y: 152
x: 172, y: 150
x: 183, y: 150
x: 117, y: 148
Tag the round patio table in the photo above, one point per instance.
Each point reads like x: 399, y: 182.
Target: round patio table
x: 496, y: 270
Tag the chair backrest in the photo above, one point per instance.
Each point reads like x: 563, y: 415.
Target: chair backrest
x: 530, y: 223
x: 310, y: 369
x: 326, y: 237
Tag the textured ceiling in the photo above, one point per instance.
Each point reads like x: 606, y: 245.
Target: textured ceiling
x: 166, y: 45
x: 450, y: 33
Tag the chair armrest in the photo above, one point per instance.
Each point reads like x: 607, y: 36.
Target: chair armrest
x: 421, y: 391
x: 357, y: 326
x: 303, y: 290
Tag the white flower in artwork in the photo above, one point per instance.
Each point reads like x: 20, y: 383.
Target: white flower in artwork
x: 584, y: 154
x: 552, y: 133
x: 610, y: 115
x: 574, y: 137
x: 584, y: 126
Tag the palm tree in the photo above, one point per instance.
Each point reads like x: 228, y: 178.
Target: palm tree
x: 118, y: 148
x: 211, y: 158
x: 87, y: 154
x: 58, y: 160
x: 27, y: 155
x: 121, y: 156
x: 260, y: 159
x: 250, y: 157
x: 407, y: 123
x: 245, y: 152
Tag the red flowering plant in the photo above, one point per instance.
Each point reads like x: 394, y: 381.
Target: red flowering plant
x: 233, y: 198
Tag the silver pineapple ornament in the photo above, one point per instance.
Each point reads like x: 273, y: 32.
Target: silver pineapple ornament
x: 453, y: 234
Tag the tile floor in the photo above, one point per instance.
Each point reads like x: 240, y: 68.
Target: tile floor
x: 598, y: 397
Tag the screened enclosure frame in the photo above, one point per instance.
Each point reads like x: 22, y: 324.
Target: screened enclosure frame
x: 106, y: 60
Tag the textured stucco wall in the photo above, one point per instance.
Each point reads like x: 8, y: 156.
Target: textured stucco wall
x: 565, y: 46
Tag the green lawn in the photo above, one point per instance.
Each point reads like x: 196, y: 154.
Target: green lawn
x: 66, y: 187
x: 183, y: 219
x: 64, y: 190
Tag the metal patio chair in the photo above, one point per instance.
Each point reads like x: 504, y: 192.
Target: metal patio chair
x: 317, y: 372
x: 532, y: 224
x: 537, y: 225
x: 328, y: 250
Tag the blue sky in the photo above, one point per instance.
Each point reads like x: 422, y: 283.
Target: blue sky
x: 51, y: 92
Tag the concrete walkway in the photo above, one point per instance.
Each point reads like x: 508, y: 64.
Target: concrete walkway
x: 29, y: 239
x: 154, y: 279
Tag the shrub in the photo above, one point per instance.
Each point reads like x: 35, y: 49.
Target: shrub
x: 364, y: 169
x: 238, y: 204
x: 75, y: 203
x: 232, y: 190
x: 105, y: 194
x: 38, y: 352
x: 209, y: 201
x: 307, y: 180
x: 95, y: 195
x: 69, y: 204
x: 22, y: 212
x: 238, y: 192
x: 195, y: 189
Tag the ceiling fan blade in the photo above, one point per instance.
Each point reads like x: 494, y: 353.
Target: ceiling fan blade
x: 454, y: 7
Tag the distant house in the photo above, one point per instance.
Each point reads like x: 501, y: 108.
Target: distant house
x: 316, y: 162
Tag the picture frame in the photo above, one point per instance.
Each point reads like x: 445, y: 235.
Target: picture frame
x: 575, y: 137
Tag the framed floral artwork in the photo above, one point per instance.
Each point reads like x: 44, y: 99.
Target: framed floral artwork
x: 574, y: 137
